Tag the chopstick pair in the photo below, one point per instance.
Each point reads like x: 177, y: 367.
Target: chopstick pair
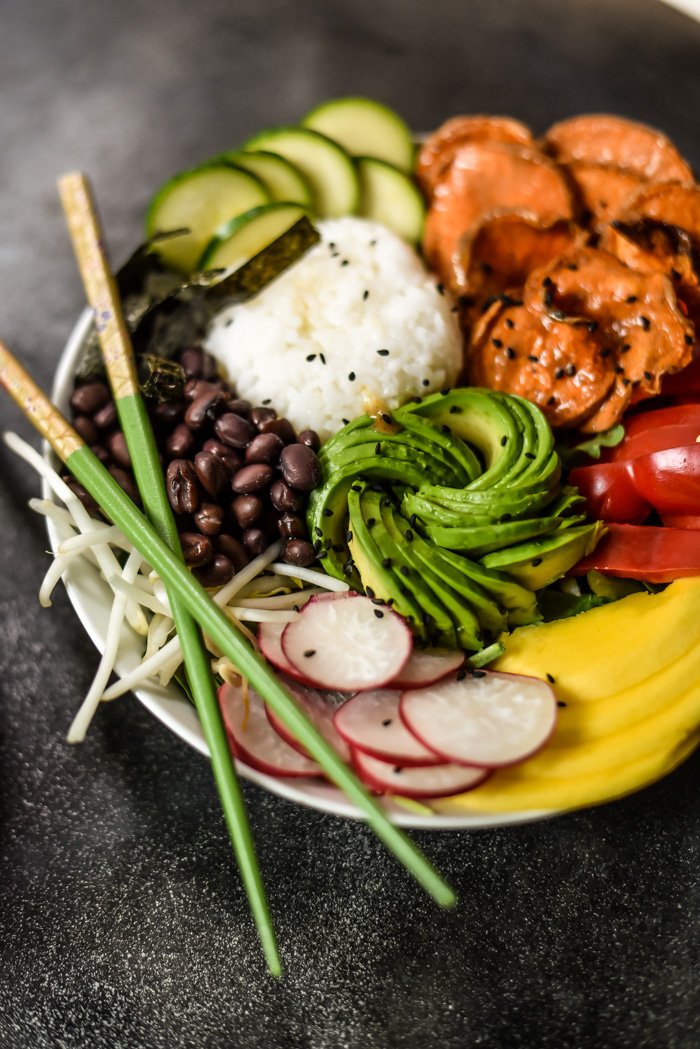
x: 158, y: 543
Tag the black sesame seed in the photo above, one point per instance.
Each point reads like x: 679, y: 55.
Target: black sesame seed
x: 626, y: 347
x: 404, y: 570
x: 382, y: 353
x: 454, y: 309
x: 593, y: 326
x: 559, y: 373
x: 409, y: 535
x: 348, y: 537
x: 327, y: 512
x: 440, y: 289
x: 386, y: 418
x: 509, y: 323
x: 646, y: 323
x: 309, y: 653
x: 631, y: 298
x: 351, y: 377
x: 572, y: 266
x: 504, y: 440
x: 547, y: 299
x: 371, y: 522
x: 619, y: 370
x: 510, y: 353
x: 338, y: 547
x: 551, y: 400
x: 345, y: 262
x: 378, y: 448
x: 445, y: 428
x: 369, y: 591
x: 533, y: 357
x: 626, y: 381
x: 365, y: 295
x: 561, y: 703
x: 444, y: 393
x: 328, y: 544
x: 529, y: 455
x: 413, y: 520
x: 550, y: 678
x: 322, y: 358
x: 498, y: 343
x: 386, y: 562
x: 322, y: 555
x: 378, y: 613
x: 317, y: 545
x: 689, y: 340
x: 311, y: 357
x: 478, y: 673
x: 461, y: 674
x: 455, y: 409
x: 331, y: 245
x: 648, y: 376
x: 505, y: 517
x: 675, y: 274
x: 397, y: 769
x: 426, y: 382
x: 547, y: 282
x: 335, y: 254
x: 355, y: 488
x: 372, y: 243
x: 404, y: 590
x: 536, y: 561
x: 267, y: 401
x: 606, y: 351
x: 386, y: 721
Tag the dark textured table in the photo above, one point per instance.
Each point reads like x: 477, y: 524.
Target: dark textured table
x: 123, y: 922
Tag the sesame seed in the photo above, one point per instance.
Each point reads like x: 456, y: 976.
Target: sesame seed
x: 551, y: 400
x: 409, y: 535
x: 561, y: 703
x: 413, y: 520
x: 382, y: 353
x: 355, y: 488
x: 404, y: 570
x: 386, y: 721
x: 348, y: 537
x: 478, y: 673
x: 547, y: 299
x: 559, y: 373
x: 322, y: 358
x: 550, y: 678
x: 369, y: 591
x: 498, y: 343
x: 327, y: 512
x: 372, y: 243
x: 351, y: 377
x: 266, y: 401
x: 455, y: 409
x: 593, y: 326
x: 646, y: 323
x: 378, y: 613
x: 345, y: 422
x: 509, y: 323
x: 397, y: 769
x: 365, y: 295
x: 689, y: 340
x: 386, y: 562
x: 440, y: 289
x: 378, y: 448
x: 345, y: 262
x: 572, y: 266
x: 510, y: 353
x: 529, y: 455
x: 606, y: 351
x: 386, y: 418
x: 619, y: 370
x: 536, y: 561
x: 547, y: 282
x: 426, y: 382
x: 626, y: 381
x: 309, y: 653
x: 461, y: 674
x: 533, y: 357
x: 631, y: 298
x: 648, y: 376
x: 371, y: 521
x: 504, y: 440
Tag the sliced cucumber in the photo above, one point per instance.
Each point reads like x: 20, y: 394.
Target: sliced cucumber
x: 365, y: 129
x: 282, y: 180
x: 247, y: 234
x: 390, y: 197
x: 201, y: 200
x: 325, y: 164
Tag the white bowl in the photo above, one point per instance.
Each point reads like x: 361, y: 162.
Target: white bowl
x: 89, y: 595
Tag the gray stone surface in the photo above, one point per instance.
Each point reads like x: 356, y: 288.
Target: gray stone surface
x: 123, y: 924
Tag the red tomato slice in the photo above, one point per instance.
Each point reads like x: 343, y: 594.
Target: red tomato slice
x: 669, y: 479
x: 610, y: 492
x: 681, y: 521
x: 655, y: 439
x: 675, y: 415
x: 655, y: 555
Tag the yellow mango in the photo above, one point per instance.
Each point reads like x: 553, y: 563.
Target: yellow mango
x: 508, y: 792
x: 608, y: 649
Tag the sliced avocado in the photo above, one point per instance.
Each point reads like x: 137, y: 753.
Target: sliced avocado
x: 368, y: 442
x: 539, y: 562
x: 447, y: 577
x: 452, y: 446
x: 497, y: 506
x: 519, y: 602
x: 482, y: 539
x: 377, y: 579
x: 422, y: 575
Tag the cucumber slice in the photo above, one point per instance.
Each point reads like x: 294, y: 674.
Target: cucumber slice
x: 365, y: 129
x: 390, y: 197
x: 282, y: 180
x: 247, y: 234
x: 325, y: 164
x: 200, y: 200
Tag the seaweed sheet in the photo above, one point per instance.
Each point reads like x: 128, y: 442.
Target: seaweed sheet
x: 164, y: 313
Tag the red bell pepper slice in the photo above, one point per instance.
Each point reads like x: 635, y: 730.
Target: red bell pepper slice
x: 674, y: 415
x: 655, y: 439
x: 610, y: 492
x: 669, y: 479
x: 654, y: 555
x: 681, y: 521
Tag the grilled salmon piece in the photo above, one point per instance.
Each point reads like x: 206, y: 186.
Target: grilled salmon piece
x: 601, y: 191
x: 562, y: 367
x: 638, y: 313
x: 487, y: 180
x: 437, y: 152
x: 599, y: 138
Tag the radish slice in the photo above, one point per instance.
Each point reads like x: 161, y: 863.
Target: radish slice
x: 270, y: 642
x: 370, y: 722
x: 320, y: 708
x: 433, y: 781
x: 426, y: 666
x: 253, y: 739
x: 486, y: 718
x: 347, y: 644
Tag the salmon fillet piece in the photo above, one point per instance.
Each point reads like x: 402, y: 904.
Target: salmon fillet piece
x: 600, y: 138
x: 437, y: 152
x: 485, y: 181
x: 601, y: 191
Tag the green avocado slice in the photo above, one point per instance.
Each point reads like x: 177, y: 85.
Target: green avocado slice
x: 482, y: 539
x: 519, y: 602
x: 538, y: 563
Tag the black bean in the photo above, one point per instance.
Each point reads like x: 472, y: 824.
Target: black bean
x: 252, y: 478
x: 255, y: 540
x: 291, y: 526
x: 126, y: 483
x: 181, y: 484
x: 210, y: 367
x: 179, y: 443
x: 88, y: 398
x: 216, y: 573
x: 281, y: 427
x: 191, y: 389
x: 119, y: 451
x: 209, y: 518
x: 197, y: 549
x: 265, y: 448
x: 84, y: 496
x: 300, y: 467
x: 196, y: 388
x: 167, y: 413
x: 105, y: 418
x: 238, y: 406
x: 310, y: 438
x: 234, y: 430
x: 262, y: 415
x: 283, y: 497
x: 298, y: 552
x: 101, y: 452
x: 212, y: 474
x: 205, y: 407
x: 228, y: 456
x: 86, y: 428
x: 247, y: 509
x: 233, y: 549
x: 192, y: 361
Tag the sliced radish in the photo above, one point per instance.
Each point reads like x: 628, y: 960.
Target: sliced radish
x: 432, y: 781
x: 270, y: 642
x: 347, y: 644
x: 485, y: 718
x: 320, y: 708
x: 370, y: 722
x: 428, y: 665
x: 253, y: 739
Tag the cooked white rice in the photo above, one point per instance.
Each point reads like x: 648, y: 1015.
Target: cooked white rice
x: 309, y: 342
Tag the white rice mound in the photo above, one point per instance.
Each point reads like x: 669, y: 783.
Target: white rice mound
x: 308, y: 344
